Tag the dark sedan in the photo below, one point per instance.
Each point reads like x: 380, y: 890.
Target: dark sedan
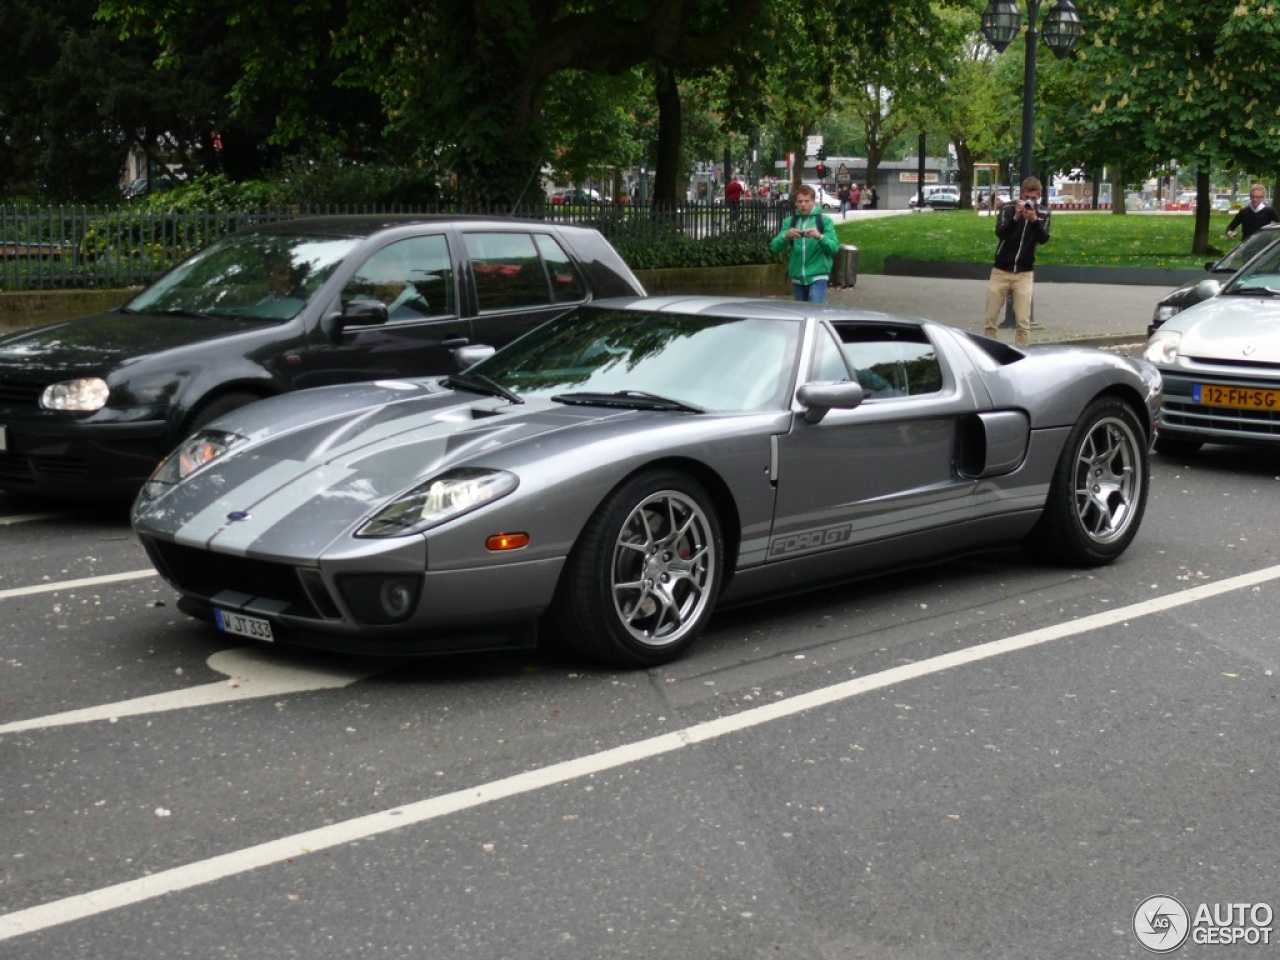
x: 89, y: 406
x: 1195, y: 291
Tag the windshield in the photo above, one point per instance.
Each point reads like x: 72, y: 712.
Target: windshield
x: 1263, y: 274
x: 1246, y: 250
x: 712, y: 363
x: 248, y: 275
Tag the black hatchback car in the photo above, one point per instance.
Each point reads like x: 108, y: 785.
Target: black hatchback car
x: 89, y: 406
x: 1194, y: 291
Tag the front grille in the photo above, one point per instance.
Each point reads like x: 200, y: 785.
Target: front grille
x: 1179, y: 412
x: 16, y: 467
x: 204, y: 573
x: 20, y: 394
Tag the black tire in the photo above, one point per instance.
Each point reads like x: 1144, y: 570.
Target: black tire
x: 1099, y: 489
x: 215, y: 407
x: 1176, y: 446
x: 642, y: 580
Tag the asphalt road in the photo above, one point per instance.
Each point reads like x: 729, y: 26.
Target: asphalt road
x: 986, y: 759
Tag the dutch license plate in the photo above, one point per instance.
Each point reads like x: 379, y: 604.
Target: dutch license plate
x: 243, y: 626
x: 4, y: 438
x: 1244, y: 398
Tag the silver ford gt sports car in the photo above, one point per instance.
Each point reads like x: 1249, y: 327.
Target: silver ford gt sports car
x: 613, y: 476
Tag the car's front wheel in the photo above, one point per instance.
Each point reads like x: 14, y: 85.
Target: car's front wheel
x: 642, y: 580
x: 1099, y: 489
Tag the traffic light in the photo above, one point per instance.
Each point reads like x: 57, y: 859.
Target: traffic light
x: 822, y: 152
x: 821, y: 169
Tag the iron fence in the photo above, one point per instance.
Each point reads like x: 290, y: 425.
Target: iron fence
x: 78, y: 247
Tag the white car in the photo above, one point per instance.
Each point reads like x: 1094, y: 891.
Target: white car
x: 827, y: 198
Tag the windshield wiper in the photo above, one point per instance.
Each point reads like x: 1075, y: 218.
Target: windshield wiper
x: 479, y: 383
x: 181, y: 312
x: 632, y: 399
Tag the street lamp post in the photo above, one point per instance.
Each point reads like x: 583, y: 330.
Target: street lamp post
x: 1001, y: 22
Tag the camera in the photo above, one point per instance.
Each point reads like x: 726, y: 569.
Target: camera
x: 1028, y: 204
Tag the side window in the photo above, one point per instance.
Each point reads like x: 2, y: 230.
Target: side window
x: 566, y: 282
x: 828, y: 360
x: 892, y: 361
x: 413, y: 277
x: 507, y: 270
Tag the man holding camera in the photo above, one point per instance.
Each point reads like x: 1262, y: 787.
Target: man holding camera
x: 1021, y: 226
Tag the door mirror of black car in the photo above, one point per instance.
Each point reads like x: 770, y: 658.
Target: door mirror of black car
x: 818, y: 398
x: 1208, y: 287
x: 471, y: 354
x: 362, y: 313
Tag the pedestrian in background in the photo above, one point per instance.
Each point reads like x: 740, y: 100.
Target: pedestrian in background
x: 1253, y: 216
x: 811, y: 239
x: 1021, y: 226
x: 873, y: 198
x: 733, y: 197
x: 843, y: 194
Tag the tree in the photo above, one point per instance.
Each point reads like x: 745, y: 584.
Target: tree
x: 1190, y: 80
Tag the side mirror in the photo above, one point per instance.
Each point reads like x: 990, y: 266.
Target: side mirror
x: 361, y: 313
x: 472, y: 354
x: 1208, y: 287
x: 818, y: 398
x: 1210, y: 264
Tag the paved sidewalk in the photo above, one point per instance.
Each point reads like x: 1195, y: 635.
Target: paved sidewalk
x: 1095, y: 313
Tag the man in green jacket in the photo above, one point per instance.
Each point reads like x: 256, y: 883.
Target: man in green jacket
x: 811, y: 237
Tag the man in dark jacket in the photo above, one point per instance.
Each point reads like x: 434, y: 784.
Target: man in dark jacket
x: 1253, y: 217
x: 1021, y: 226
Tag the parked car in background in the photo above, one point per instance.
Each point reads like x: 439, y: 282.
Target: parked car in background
x: 622, y: 471
x: 938, y: 197
x: 1194, y: 291
x: 89, y: 406
x: 1220, y: 362
x: 576, y: 196
x: 827, y: 199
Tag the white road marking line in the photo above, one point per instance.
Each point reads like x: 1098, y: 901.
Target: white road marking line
x: 252, y: 671
x: 53, y: 587
x: 82, y: 906
x: 28, y: 517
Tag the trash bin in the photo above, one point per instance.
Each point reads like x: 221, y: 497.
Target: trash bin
x: 844, y: 272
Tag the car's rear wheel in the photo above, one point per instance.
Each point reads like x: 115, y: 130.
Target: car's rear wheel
x: 642, y: 580
x: 1176, y: 446
x: 1099, y: 489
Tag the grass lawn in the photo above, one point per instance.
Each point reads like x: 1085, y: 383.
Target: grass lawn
x: 1077, y: 239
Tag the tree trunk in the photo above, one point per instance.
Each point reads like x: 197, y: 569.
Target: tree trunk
x: 1200, y: 239
x: 670, y: 169
x: 1118, y: 206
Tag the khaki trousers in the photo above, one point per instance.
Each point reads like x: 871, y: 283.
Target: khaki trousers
x: 1002, y: 283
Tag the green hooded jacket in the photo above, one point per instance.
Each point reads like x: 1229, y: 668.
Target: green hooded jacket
x: 810, y: 259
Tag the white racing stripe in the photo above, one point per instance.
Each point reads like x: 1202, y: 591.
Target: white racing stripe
x: 300, y: 845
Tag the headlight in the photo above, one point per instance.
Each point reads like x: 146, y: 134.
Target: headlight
x: 442, y: 498
x: 85, y: 395
x: 1162, y: 348
x: 193, y: 453
x: 1166, y: 311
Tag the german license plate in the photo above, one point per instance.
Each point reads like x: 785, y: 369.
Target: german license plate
x: 1244, y: 398
x: 4, y: 438
x: 243, y: 626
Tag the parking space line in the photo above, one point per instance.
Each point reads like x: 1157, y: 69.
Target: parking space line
x: 130, y: 892
x: 252, y: 672
x: 57, y: 585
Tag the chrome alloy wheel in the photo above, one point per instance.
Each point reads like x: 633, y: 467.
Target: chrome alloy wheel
x: 663, y: 567
x: 1108, y: 479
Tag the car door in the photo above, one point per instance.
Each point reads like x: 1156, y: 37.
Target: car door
x: 886, y: 468
x: 519, y: 280
x: 415, y: 279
